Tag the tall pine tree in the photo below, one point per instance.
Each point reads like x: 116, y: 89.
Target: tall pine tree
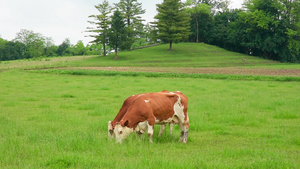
x: 117, y: 33
x: 131, y: 11
x: 173, y: 22
x: 102, y: 24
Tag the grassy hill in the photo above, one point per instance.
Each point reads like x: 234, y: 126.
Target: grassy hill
x: 193, y: 55
x: 183, y: 55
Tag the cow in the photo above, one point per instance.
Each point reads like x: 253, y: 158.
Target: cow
x: 123, y: 110
x: 148, y: 109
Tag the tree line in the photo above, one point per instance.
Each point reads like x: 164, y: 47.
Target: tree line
x: 119, y: 27
x: 29, y: 44
x: 263, y: 28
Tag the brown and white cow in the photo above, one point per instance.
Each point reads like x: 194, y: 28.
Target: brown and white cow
x: 148, y: 109
x: 123, y: 110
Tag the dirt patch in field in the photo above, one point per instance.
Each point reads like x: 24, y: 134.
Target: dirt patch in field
x: 206, y: 70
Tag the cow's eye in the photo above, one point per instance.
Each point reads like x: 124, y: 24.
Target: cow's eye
x: 121, y: 132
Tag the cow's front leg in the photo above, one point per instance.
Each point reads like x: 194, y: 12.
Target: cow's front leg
x: 139, y: 133
x: 150, y: 130
x: 141, y: 128
x: 162, y: 129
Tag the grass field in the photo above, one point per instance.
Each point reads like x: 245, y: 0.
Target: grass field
x: 58, y: 118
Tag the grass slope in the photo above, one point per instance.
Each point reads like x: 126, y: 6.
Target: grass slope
x: 183, y: 55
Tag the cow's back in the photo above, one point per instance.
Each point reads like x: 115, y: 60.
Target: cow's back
x: 162, y: 105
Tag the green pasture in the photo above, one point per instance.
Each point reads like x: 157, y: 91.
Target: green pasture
x: 57, y: 118
x: 60, y: 121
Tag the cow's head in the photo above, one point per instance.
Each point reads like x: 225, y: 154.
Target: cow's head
x: 111, y: 133
x: 121, y: 131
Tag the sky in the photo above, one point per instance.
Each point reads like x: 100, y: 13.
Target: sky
x: 60, y: 19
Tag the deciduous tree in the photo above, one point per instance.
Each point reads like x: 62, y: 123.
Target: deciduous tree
x: 50, y: 49
x: 267, y: 28
x: 79, y: 48
x: 63, y: 47
x: 12, y: 50
x: 199, y: 12
x: 34, y: 42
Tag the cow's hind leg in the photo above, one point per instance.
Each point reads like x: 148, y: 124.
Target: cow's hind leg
x: 184, y: 132
x: 171, y: 127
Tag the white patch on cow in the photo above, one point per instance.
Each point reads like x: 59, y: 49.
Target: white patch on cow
x: 122, y: 133
x: 147, y: 101
x: 150, y: 128
x: 142, y: 127
x: 178, y: 109
x: 188, y: 119
x: 172, y: 93
x: 164, y: 121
